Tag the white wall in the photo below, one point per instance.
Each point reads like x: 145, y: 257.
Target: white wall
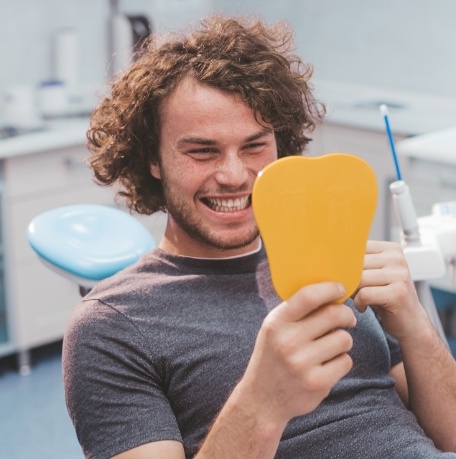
x: 28, y: 27
x: 400, y: 44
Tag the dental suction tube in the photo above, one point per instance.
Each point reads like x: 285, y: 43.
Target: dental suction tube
x: 405, y: 211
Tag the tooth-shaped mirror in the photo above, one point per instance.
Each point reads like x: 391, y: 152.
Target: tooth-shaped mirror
x: 314, y: 216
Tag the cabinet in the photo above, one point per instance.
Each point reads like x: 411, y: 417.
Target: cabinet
x: 373, y: 147
x: 39, y: 301
x: 430, y: 182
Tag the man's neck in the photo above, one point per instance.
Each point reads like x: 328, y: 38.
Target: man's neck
x: 167, y: 246
x: 251, y: 252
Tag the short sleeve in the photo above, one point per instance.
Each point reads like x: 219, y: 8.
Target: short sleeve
x: 113, y: 386
x: 395, y: 351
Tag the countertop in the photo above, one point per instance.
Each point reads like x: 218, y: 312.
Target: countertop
x: 410, y: 113
x: 357, y: 106
x: 54, y: 134
x: 439, y: 146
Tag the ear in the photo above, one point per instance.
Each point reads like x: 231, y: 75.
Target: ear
x: 155, y: 171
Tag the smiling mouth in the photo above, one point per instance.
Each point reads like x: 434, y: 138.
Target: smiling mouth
x: 227, y: 205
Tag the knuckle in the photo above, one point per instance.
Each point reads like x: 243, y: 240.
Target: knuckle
x: 345, y: 340
x: 402, y: 290
x: 278, y: 339
x: 338, y: 313
x: 309, y: 294
x: 314, y: 381
x: 346, y: 363
x: 394, y: 249
x: 270, y: 325
x: 349, y: 315
x: 333, y: 312
x: 315, y: 293
x: 299, y: 365
x: 362, y: 296
x: 396, y: 246
x: 285, y: 349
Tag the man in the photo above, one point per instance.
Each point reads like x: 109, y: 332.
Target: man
x: 190, y: 352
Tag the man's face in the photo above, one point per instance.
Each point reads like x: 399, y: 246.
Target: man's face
x: 211, y: 151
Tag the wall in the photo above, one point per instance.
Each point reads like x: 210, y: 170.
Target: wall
x: 407, y: 44
x: 28, y: 28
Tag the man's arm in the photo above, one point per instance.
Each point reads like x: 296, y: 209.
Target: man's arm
x: 430, y: 369
x: 398, y: 374
x: 431, y: 376
x: 156, y: 450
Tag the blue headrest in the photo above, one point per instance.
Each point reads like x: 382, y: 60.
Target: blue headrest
x: 89, y: 241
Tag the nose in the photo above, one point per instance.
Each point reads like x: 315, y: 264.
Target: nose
x: 231, y: 171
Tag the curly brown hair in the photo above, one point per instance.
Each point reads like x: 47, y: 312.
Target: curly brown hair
x: 238, y: 56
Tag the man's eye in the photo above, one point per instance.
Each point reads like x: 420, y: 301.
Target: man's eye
x: 254, y: 146
x: 203, y: 151
x: 202, y: 154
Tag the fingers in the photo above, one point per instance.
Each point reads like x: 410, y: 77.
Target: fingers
x: 327, y: 318
x: 304, y: 341
x: 326, y: 362
x: 335, y: 369
x: 308, y: 299
x: 380, y: 254
x: 386, y: 286
x: 327, y: 348
x: 388, y: 294
x: 380, y: 246
x: 385, y: 277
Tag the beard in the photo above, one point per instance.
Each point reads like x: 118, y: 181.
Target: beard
x: 195, y: 227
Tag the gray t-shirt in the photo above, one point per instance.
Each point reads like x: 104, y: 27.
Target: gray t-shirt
x: 153, y: 353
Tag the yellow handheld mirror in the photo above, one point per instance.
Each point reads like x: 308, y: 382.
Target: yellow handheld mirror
x: 314, y: 216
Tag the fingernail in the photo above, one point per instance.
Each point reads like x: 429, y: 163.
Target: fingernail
x: 341, y: 289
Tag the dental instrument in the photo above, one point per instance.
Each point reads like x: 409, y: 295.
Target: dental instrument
x: 421, y: 247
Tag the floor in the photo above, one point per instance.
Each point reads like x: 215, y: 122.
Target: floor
x: 34, y: 423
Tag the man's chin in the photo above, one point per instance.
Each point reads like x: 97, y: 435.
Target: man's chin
x: 221, y: 238
x: 235, y: 243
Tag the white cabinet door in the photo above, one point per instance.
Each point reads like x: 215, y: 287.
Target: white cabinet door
x: 28, y: 176
x: 41, y: 300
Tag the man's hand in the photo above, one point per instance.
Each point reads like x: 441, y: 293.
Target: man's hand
x: 301, y: 352
x: 387, y: 287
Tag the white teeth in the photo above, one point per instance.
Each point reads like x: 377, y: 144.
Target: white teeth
x: 228, y: 205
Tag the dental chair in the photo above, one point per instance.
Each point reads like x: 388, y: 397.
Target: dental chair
x: 87, y: 243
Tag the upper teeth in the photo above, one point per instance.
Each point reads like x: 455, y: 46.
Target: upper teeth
x: 227, y: 205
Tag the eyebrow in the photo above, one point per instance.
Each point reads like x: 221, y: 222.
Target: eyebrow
x: 208, y: 142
